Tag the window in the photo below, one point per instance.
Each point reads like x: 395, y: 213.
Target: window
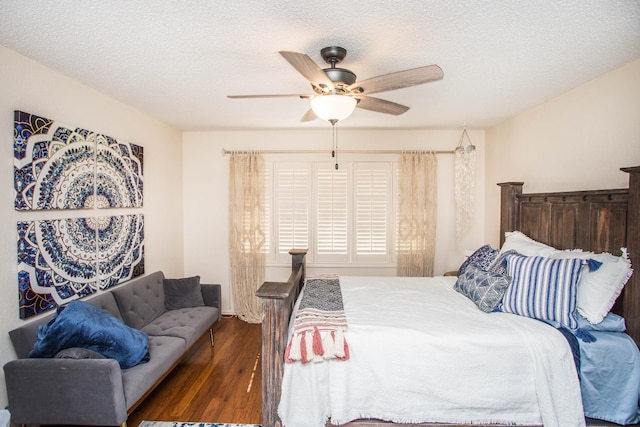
x: 372, y: 212
x: 342, y: 216
x: 291, y: 202
x: 332, y: 212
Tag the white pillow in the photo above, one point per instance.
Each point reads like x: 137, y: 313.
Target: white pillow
x: 525, y: 245
x: 598, y: 290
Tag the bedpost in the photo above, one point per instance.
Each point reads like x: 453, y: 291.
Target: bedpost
x: 297, y: 259
x: 631, y: 299
x: 278, y: 299
x: 509, y: 207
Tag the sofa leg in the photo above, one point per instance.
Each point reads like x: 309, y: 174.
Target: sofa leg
x: 211, y: 336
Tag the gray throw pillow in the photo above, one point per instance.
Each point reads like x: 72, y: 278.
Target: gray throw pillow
x: 484, y: 288
x: 78, y: 353
x: 182, y: 293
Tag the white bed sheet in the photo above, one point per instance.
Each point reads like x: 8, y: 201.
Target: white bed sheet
x: 421, y: 352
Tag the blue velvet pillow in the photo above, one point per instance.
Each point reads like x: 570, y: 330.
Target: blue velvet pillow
x: 482, y: 257
x: 484, y: 288
x: 80, y: 324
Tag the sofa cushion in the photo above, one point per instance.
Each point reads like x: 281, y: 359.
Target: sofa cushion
x: 186, y: 323
x: 182, y: 293
x: 106, y: 302
x: 141, y: 300
x: 164, y: 351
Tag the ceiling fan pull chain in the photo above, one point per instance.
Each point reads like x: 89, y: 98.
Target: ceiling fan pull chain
x: 335, y: 143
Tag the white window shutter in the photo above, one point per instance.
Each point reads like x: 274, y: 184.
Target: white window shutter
x: 292, y: 186
x: 373, y: 198
x: 268, y: 206
x: 331, y: 211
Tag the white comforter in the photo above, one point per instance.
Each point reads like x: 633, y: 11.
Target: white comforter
x: 421, y: 352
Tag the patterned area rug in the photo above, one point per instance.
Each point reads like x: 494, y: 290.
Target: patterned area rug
x: 178, y: 424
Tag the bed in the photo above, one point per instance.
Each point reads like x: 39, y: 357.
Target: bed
x: 596, y: 221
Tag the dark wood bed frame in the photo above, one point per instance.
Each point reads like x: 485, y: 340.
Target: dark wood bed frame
x: 598, y: 221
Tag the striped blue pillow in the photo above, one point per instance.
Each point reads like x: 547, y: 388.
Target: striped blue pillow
x: 543, y: 288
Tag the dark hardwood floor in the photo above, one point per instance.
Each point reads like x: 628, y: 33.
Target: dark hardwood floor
x: 212, y: 384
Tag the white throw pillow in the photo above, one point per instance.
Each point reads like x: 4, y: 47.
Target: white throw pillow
x: 525, y: 245
x: 598, y: 290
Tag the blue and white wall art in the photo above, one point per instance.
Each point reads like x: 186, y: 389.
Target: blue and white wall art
x: 62, y: 167
x: 57, y: 166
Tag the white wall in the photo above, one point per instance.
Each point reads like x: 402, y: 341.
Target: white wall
x: 206, y: 191
x: 576, y: 141
x: 28, y: 86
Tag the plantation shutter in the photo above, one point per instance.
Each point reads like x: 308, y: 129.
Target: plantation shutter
x: 373, y: 198
x: 292, y: 199
x: 332, y: 213
x: 268, y: 206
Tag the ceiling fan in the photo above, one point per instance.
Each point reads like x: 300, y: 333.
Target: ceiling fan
x: 336, y: 91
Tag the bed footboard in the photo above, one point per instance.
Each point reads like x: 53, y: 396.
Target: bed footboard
x: 278, y: 299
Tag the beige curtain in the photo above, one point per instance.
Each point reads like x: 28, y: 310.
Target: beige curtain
x: 246, y: 233
x: 417, y: 214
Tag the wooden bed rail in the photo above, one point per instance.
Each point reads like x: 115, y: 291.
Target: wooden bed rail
x: 278, y: 299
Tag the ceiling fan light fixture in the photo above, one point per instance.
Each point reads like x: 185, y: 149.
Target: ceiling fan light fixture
x: 333, y: 108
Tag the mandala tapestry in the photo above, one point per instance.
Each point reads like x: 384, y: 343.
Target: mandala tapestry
x: 57, y: 166
x: 120, y: 249
x: 118, y: 174
x: 53, y: 164
x: 65, y: 259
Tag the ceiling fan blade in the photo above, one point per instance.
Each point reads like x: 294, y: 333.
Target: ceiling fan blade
x: 399, y: 79
x: 292, y: 95
x: 309, y: 69
x: 380, y: 105
x: 308, y: 116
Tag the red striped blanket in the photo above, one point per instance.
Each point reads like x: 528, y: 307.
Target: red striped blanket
x: 319, y: 323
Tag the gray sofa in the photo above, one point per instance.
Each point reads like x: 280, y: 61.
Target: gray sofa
x: 97, y: 391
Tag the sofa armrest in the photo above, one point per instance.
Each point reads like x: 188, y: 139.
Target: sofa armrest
x: 65, y: 391
x: 212, y: 296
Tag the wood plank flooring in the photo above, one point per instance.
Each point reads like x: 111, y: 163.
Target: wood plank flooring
x: 212, y: 384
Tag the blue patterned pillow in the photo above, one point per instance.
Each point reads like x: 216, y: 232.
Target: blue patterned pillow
x: 499, y: 265
x: 543, y: 288
x: 484, y: 288
x: 482, y: 257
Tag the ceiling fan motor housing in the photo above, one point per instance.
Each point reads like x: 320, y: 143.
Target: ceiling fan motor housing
x: 333, y: 55
x: 340, y: 75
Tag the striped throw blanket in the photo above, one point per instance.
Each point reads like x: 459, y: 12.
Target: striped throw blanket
x: 319, y: 323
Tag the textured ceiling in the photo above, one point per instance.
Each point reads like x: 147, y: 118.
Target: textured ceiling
x: 177, y: 60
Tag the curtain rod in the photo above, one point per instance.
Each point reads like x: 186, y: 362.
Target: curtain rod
x: 225, y: 151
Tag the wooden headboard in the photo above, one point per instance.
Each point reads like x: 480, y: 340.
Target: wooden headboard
x: 598, y: 221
